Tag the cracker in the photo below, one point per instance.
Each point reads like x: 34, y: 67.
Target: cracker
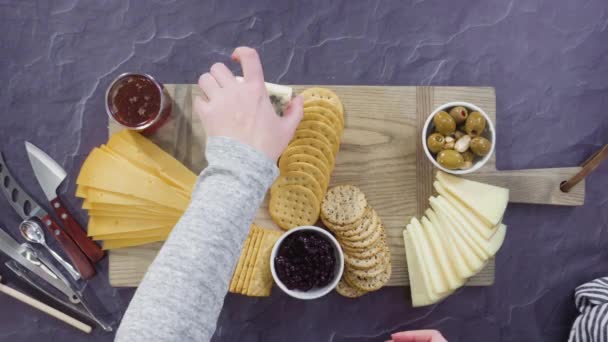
x: 330, y: 116
x: 319, y: 145
x: 363, y: 263
x: 346, y: 290
x: 251, y: 262
x: 285, y: 161
x: 368, y: 224
x: 298, y: 178
x: 368, y: 241
x: 309, y: 150
x: 373, y: 271
x: 261, y: 281
x: 325, y: 129
x: 323, y: 94
x: 248, y: 258
x: 325, y: 104
x: 344, y: 204
x: 309, y: 133
x: 293, y: 206
x: 239, y: 265
x: 340, y: 228
x: 316, y: 116
x: 309, y: 169
x: 370, y: 283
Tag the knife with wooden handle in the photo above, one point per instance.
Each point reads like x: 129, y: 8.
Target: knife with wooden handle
x: 50, y: 175
x: 25, y: 206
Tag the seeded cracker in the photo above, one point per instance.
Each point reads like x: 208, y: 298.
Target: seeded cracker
x: 347, y: 290
x: 371, y: 283
x: 343, y: 205
x: 369, y: 224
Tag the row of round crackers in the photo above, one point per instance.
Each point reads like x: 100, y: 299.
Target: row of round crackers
x: 359, y: 230
x: 307, y: 162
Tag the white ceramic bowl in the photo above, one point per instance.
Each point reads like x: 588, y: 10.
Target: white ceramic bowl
x: 489, y: 134
x: 316, y: 292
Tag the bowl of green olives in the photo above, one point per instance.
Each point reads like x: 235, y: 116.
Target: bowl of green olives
x: 458, y: 137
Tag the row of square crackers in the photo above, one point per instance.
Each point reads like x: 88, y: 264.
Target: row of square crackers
x: 308, y: 161
x: 252, y: 276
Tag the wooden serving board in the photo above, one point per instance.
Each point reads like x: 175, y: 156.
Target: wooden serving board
x: 381, y: 153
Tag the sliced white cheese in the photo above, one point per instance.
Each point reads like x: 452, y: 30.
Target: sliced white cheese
x: 431, y: 264
x: 457, y: 260
x: 467, y: 233
x: 488, y: 201
x: 441, y: 255
x: 418, y: 291
x: 486, y: 231
x: 473, y: 260
x: 497, y: 240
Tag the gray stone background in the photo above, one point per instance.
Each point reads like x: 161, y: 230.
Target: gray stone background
x: 548, y: 60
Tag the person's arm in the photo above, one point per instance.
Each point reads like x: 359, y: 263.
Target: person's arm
x: 183, y: 291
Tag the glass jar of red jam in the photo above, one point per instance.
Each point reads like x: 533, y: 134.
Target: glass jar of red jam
x: 138, y: 102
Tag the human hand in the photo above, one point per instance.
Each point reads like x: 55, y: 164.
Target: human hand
x: 242, y: 110
x: 418, y: 336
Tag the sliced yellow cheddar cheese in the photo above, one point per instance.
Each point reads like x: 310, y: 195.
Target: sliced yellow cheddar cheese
x: 488, y: 201
x: 457, y: 259
x: 157, y: 232
x: 419, y: 274
x: 432, y: 269
x: 102, y: 171
x: 133, y: 214
x: 474, y: 262
x: 418, y: 292
x: 94, y: 195
x: 115, y: 244
x: 486, y: 231
x: 104, y: 225
x: 148, y: 155
x: 81, y: 191
x: 441, y: 255
x: 154, y: 211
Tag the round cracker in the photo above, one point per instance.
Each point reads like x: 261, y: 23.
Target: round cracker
x: 340, y: 228
x: 370, y: 240
x: 354, y: 261
x: 371, y: 283
x: 343, y: 205
x: 302, y: 133
x: 316, y: 116
x: 293, y: 206
x: 329, y: 116
x: 298, y: 178
x: 303, y: 158
x: 368, y: 224
x: 323, y: 94
x: 311, y: 170
x: 302, y: 149
x: 325, y: 104
x: 348, y: 291
x: 373, y: 271
x: 319, y: 145
x: 365, y: 252
x: 325, y: 129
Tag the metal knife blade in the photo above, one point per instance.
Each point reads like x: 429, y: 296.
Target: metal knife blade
x: 10, y: 247
x: 47, y: 171
x: 23, y: 204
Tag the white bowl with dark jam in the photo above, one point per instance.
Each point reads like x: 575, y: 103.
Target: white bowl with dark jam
x: 307, y: 262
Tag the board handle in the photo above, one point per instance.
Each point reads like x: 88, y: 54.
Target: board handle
x: 537, y: 186
x: 587, y: 167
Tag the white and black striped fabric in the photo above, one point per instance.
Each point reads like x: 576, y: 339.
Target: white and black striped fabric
x: 591, y: 300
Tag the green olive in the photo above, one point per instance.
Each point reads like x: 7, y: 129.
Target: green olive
x: 468, y: 155
x: 450, y: 159
x: 459, y: 114
x: 444, y: 123
x: 435, y: 142
x: 475, y: 124
x: 480, y: 146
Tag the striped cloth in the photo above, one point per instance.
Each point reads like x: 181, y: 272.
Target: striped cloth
x: 591, y: 300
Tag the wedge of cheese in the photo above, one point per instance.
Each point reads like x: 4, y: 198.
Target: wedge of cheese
x: 474, y: 261
x: 419, y: 287
x: 457, y: 259
x: 439, y: 251
x: 478, y: 224
x: 103, y: 171
x: 487, y: 201
x: 439, y: 285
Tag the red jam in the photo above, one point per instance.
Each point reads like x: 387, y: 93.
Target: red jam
x: 134, y: 100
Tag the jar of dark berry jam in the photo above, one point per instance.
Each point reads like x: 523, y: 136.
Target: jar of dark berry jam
x: 138, y: 102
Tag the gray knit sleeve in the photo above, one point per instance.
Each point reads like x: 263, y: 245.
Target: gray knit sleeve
x: 183, y: 291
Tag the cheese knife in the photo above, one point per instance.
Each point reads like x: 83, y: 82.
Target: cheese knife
x: 50, y: 175
x: 26, y: 207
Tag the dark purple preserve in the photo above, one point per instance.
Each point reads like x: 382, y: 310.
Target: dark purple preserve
x: 305, y: 260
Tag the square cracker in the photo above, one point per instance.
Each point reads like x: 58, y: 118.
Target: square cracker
x: 239, y: 265
x: 251, y: 261
x: 241, y: 280
x: 261, y: 278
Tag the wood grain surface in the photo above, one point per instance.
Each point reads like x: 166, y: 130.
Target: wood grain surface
x: 381, y: 153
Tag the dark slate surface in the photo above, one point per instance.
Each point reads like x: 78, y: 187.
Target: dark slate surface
x: 548, y: 60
